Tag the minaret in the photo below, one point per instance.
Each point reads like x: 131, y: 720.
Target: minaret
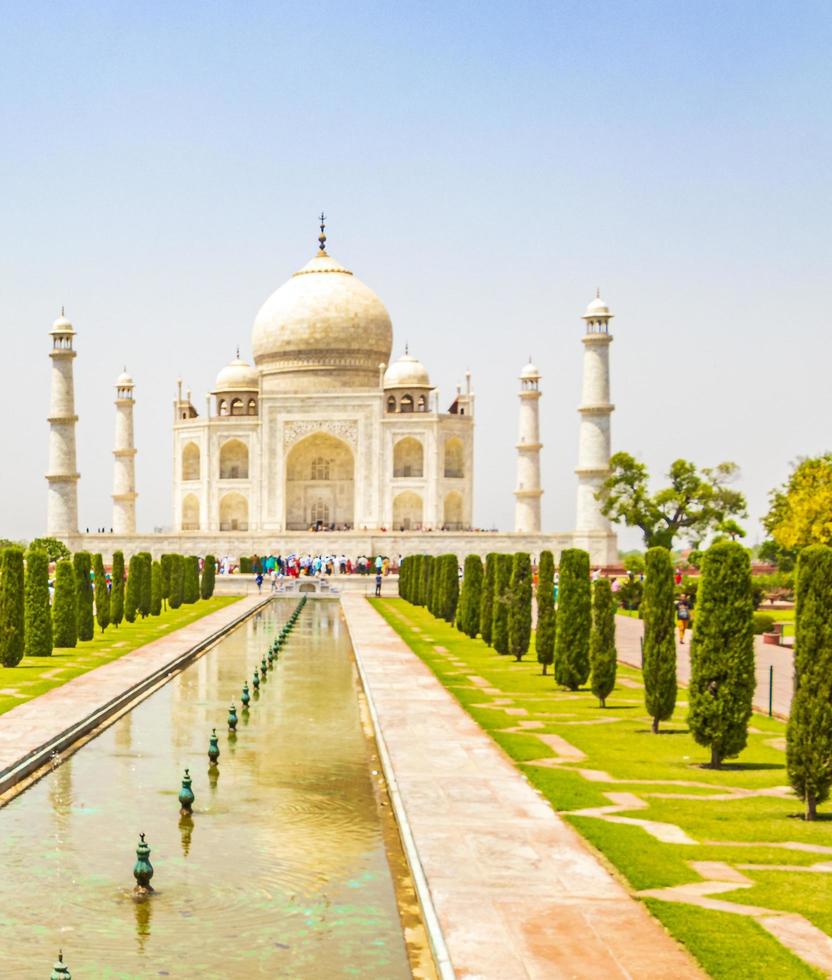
x: 62, y: 500
x: 124, y: 466
x: 595, y: 410
x: 528, y: 492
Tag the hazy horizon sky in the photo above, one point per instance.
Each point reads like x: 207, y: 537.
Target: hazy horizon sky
x: 484, y: 168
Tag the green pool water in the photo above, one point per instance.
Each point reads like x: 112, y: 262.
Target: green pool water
x: 283, y: 870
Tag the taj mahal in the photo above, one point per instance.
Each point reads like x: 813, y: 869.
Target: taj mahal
x: 325, y: 432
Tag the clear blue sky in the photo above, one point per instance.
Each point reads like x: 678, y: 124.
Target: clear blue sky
x: 484, y: 166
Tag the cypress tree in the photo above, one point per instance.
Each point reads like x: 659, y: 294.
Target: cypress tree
x: 544, y: 637
x: 145, y: 583
x: 468, y: 615
x: 502, y: 584
x: 809, y: 735
x: 450, y: 588
x: 209, y: 573
x: 82, y: 565
x: 602, y: 658
x: 427, y: 576
x: 38, y: 619
x: 176, y: 580
x: 165, y: 584
x: 520, y: 606
x: 487, y: 597
x: 420, y: 580
x: 155, y: 588
x: 403, y: 578
x: 658, y: 612
x: 117, y: 590
x: 722, y: 653
x: 65, y: 606
x: 12, y: 616
x: 102, y: 596
x: 437, y: 575
x: 134, y: 586
x: 190, y: 579
x: 574, y: 620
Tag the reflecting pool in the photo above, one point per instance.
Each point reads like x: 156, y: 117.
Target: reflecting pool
x: 283, y: 870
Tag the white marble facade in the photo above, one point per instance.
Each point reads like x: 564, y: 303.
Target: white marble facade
x: 323, y: 431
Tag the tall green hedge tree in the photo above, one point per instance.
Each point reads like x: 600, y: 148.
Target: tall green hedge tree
x: 502, y: 599
x: 155, y: 588
x: 658, y: 612
x: 117, y: 590
x: 574, y: 620
x: 809, y: 735
x: 209, y: 575
x: 132, y: 594
x: 427, y: 580
x: 487, y: 597
x: 177, y: 573
x: 450, y: 588
x: 164, y: 563
x: 102, y: 596
x: 65, y: 606
x: 468, y: 611
x: 12, y: 615
x: 520, y: 606
x: 82, y: 565
x: 544, y: 637
x: 722, y: 653
x: 38, y: 616
x: 602, y: 658
x: 146, y: 585
x: 190, y: 581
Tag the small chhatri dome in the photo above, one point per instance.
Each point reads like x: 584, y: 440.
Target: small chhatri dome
x: 407, y: 372
x: 237, y: 375
x: 529, y: 372
x: 322, y: 328
x: 597, y: 308
x: 124, y: 380
x: 62, y: 325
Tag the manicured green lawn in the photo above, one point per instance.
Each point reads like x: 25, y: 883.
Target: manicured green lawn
x: 37, y: 675
x: 739, y: 816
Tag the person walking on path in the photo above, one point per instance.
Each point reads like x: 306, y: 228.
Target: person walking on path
x: 259, y: 581
x: 378, y: 582
x: 682, y: 617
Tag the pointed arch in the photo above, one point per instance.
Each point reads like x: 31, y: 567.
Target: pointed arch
x: 233, y: 460
x: 408, y: 458
x: 190, y: 461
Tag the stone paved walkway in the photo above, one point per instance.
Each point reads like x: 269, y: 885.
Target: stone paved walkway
x: 517, y: 892
x: 27, y: 727
x: 628, y: 632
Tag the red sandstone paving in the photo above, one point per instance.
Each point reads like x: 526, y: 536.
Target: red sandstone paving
x: 628, y: 633
x: 517, y: 892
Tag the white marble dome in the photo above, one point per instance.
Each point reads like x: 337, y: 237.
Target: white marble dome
x: 323, y: 322
x: 62, y: 325
x: 597, y: 308
x: 124, y: 380
x: 407, y: 372
x: 529, y: 372
x: 237, y: 376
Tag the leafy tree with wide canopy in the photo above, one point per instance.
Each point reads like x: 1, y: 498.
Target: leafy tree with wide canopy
x: 800, y: 511
x: 695, y: 503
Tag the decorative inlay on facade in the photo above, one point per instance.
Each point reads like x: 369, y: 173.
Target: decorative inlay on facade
x: 345, y: 430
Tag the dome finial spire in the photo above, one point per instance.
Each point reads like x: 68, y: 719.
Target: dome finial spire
x: 406, y: 348
x: 322, y: 236
x: 238, y: 352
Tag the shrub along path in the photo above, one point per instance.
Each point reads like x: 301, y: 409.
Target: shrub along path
x: 722, y: 858
x: 34, y: 676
